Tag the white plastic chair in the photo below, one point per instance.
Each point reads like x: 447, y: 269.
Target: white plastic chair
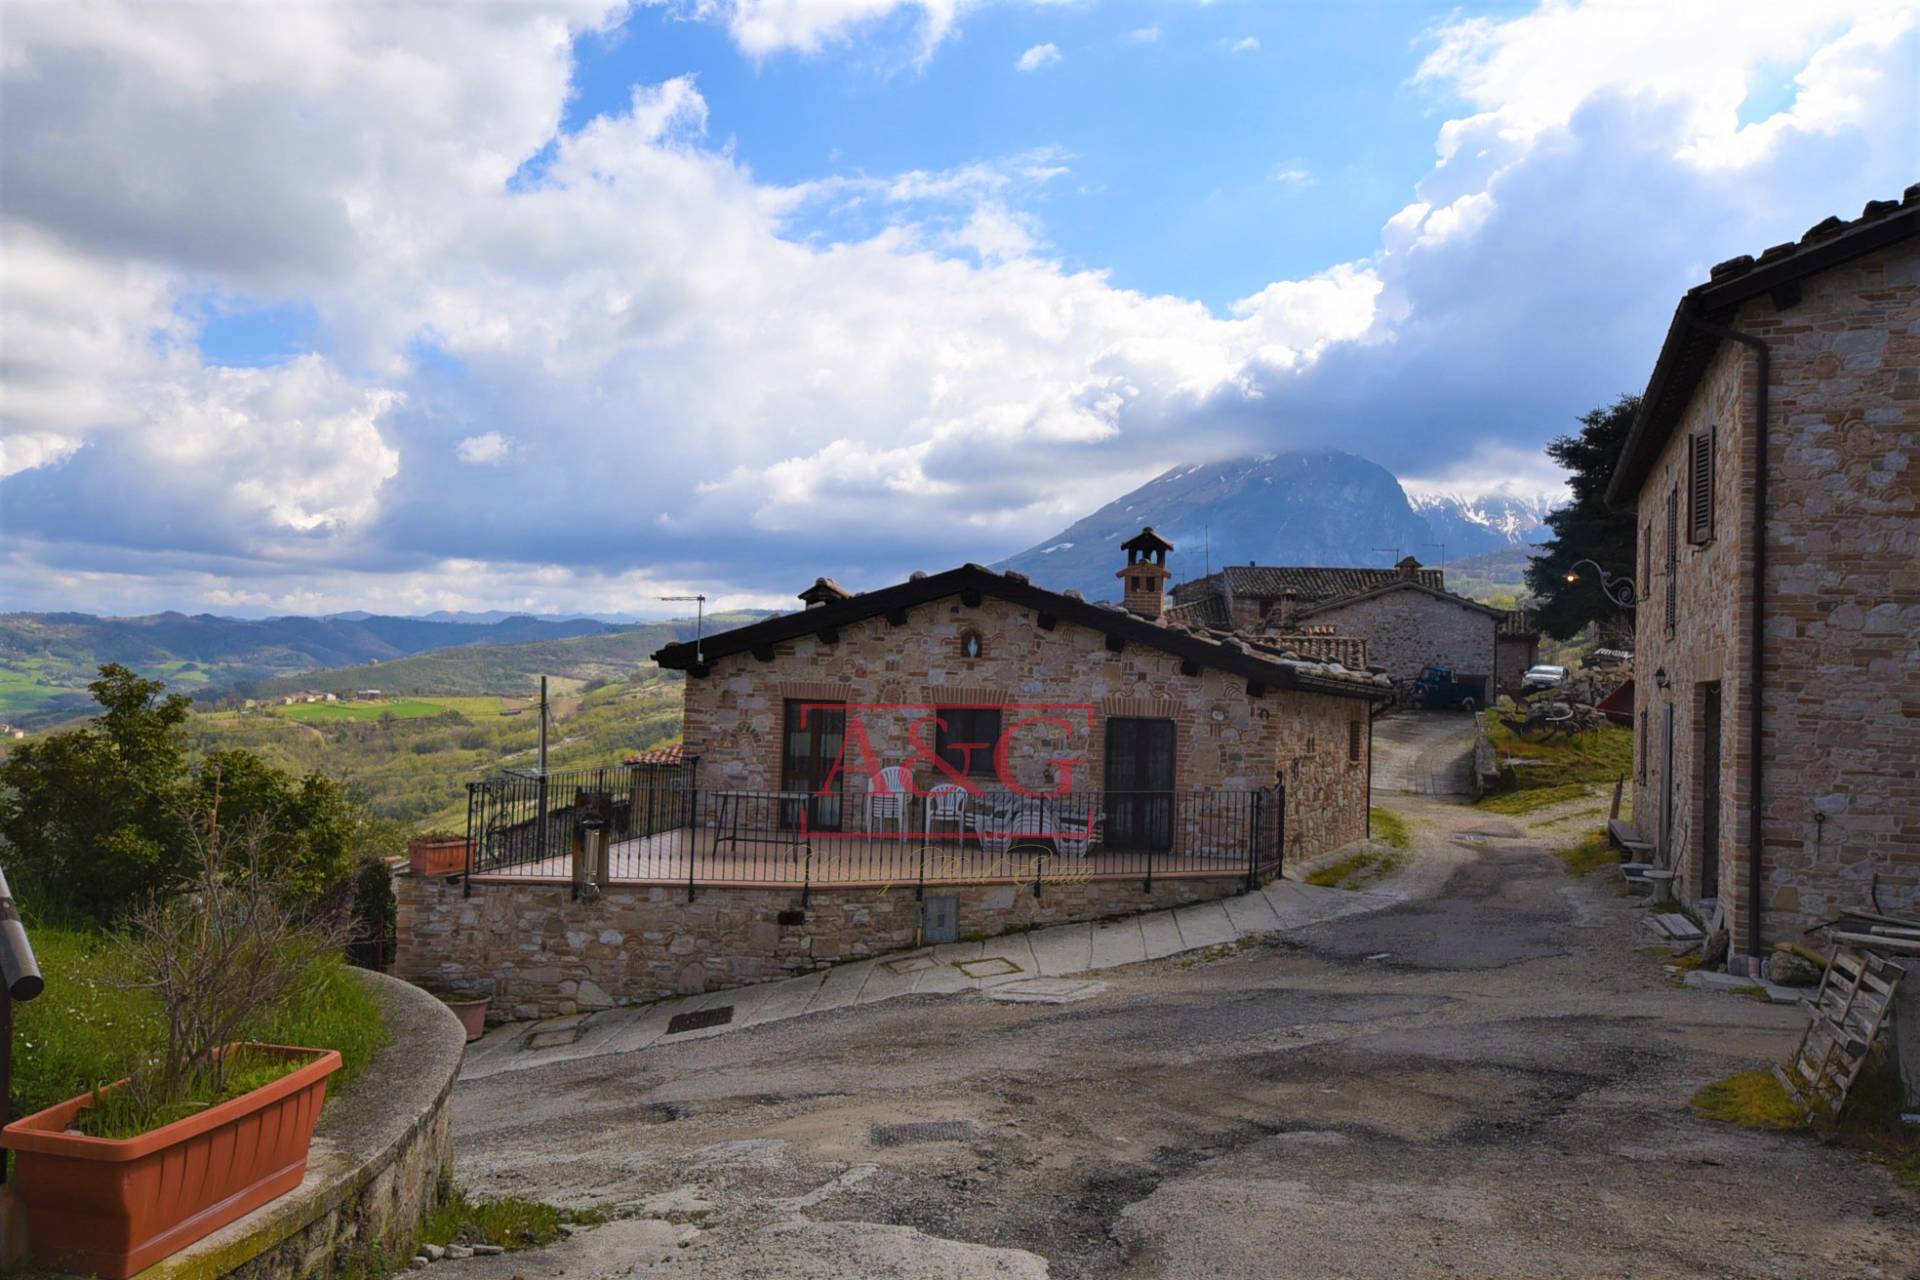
x: 888, y: 801
x: 947, y: 803
x: 1076, y: 826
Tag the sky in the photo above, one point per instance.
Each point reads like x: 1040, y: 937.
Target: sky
x: 566, y: 307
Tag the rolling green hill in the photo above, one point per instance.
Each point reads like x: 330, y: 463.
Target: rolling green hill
x: 46, y: 659
x: 512, y: 669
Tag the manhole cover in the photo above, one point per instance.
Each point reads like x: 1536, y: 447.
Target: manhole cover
x: 719, y: 1016
x: 555, y: 1033
x: 902, y: 1135
x: 913, y: 963
x: 986, y: 967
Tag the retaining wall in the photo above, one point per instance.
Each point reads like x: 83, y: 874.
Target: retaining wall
x: 541, y: 953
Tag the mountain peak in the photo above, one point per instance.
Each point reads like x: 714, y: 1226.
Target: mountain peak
x: 1299, y: 507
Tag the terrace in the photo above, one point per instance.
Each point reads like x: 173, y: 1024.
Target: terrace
x: 644, y: 824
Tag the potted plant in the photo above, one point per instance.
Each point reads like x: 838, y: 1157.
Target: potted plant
x: 213, y: 1126
x: 470, y: 1007
x: 437, y: 853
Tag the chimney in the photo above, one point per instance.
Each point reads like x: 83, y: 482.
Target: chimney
x: 1409, y: 569
x: 1145, y: 577
x: 824, y: 591
x: 1289, y: 601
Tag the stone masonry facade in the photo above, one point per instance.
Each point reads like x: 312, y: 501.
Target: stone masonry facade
x: 542, y: 953
x: 1841, y: 604
x: 1226, y: 739
x: 1409, y: 630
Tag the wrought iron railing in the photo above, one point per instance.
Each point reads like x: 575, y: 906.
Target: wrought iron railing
x: 668, y: 825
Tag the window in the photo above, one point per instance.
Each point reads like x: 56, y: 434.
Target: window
x: 1673, y: 557
x: 1646, y: 561
x: 1700, y: 488
x: 1353, y: 742
x: 965, y: 738
x: 815, y: 735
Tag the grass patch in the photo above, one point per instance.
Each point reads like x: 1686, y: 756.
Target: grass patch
x: 1357, y: 869
x: 510, y: 1223
x: 1752, y: 1100
x: 339, y: 712
x: 1565, y: 765
x: 1531, y: 799
x: 1590, y: 855
x: 89, y: 1027
x: 1391, y: 827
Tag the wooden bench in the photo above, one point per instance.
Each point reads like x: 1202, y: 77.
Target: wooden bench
x: 1623, y: 834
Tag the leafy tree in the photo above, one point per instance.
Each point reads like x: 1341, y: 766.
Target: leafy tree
x: 93, y: 819
x: 1586, y: 528
x: 91, y: 815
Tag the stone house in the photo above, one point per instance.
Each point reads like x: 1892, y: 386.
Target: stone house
x: 1404, y: 616
x: 1099, y: 698
x: 1773, y: 472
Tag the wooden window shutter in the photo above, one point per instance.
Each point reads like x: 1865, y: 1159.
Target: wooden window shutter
x: 1673, y: 557
x: 1700, y: 487
x: 1353, y: 740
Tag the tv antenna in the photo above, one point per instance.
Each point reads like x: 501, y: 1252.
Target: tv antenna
x: 1443, y: 553
x: 1393, y: 551
x: 699, y: 604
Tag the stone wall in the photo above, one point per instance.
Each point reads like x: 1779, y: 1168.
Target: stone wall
x: 1512, y: 656
x: 1408, y: 631
x: 541, y: 953
x: 1841, y: 713
x: 1226, y: 738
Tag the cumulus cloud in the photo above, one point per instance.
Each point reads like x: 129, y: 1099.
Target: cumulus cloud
x: 488, y: 449
x: 1038, y: 57
x: 705, y: 380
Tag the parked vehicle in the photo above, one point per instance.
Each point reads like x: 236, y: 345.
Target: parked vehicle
x: 1439, y: 688
x: 1544, y: 676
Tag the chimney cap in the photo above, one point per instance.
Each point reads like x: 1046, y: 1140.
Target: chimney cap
x: 1407, y: 562
x: 1146, y: 540
x: 824, y: 591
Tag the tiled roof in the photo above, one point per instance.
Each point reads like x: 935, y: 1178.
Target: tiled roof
x: 1311, y: 583
x: 662, y: 756
x: 1398, y: 584
x: 1778, y: 271
x: 971, y: 582
x: 1208, y: 611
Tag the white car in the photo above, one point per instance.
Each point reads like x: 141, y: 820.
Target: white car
x: 1543, y: 676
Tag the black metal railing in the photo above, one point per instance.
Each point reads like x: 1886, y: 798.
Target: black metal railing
x: 670, y: 825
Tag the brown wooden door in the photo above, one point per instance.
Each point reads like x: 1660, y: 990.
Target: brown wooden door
x: 816, y: 733
x: 1139, y: 801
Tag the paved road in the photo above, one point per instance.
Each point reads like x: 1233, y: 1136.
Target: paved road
x: 1424, y: 753
x: 1490, y: 1081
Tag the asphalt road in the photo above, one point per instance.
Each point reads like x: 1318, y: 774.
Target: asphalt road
x: 1488, y: 1081
x: 1423, y: 753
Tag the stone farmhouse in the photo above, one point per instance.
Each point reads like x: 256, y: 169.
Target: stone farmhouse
x: 961, y: 753
x: 1775, y: 472
x: 1403, y: 619
x: 1144, y: 703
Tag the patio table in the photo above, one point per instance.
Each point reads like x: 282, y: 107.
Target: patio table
x: 728, y: 808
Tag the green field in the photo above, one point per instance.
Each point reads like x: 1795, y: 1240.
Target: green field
x: 381, y: 708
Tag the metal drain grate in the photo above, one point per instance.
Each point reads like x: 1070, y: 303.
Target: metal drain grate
x: 902, y: 1135
x: 719, y: 1016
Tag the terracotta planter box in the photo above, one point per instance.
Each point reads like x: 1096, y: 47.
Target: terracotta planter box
x: 113, y: 1206
x: 472, y: 1014
x: 436, y: 857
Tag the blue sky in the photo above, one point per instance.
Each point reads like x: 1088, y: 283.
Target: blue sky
x: 571, y: 304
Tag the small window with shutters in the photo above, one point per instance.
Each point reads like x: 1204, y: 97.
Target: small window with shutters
x: 1353, y: 741
x: 1700, y: 488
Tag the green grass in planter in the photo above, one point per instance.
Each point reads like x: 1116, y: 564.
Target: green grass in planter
x: 117, y: 1115
x: 88, y: 1028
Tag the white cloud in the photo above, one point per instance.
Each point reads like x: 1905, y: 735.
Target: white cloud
x: 1041, y: 55
x: 681, y: 359
x: 1143, y: 35
x: 763, y: 27
x: 488, y: 449
x: 1292, y: 175
x: 1245, y: 44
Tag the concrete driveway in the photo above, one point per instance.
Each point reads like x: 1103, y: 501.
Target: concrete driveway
x: 1427, y: 753
x: 1489, y: 1081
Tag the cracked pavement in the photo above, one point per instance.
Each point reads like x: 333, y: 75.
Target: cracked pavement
x: 1490, y: 1079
